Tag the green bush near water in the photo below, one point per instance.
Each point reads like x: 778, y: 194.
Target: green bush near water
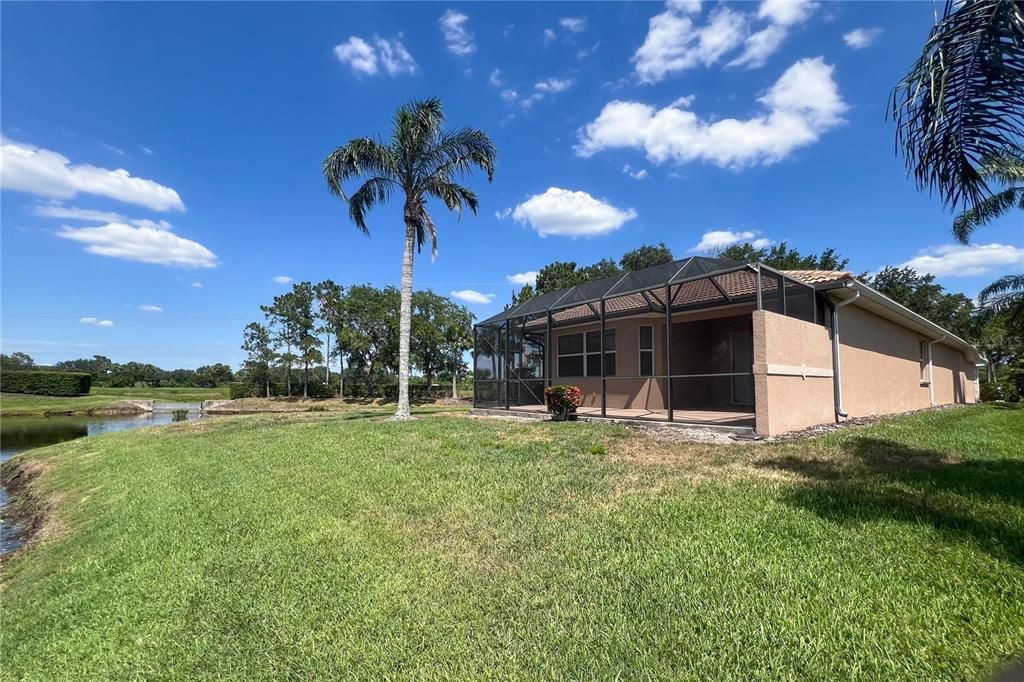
x: 46, y: 383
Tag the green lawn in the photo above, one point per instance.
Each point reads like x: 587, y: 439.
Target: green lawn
x: 20, y: 404
x: 318, y: 546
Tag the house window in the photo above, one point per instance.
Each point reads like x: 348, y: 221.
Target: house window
x: 923, y: 351
x: 646, y: 350
x: 580, y: 354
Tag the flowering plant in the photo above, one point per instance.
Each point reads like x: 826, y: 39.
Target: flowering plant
x: 563, y: 400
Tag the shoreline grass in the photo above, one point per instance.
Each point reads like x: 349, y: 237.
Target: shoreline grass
x: 25, y: 405
x: 346, y: 545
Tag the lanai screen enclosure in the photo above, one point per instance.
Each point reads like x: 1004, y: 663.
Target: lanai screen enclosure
x: 634, y: 355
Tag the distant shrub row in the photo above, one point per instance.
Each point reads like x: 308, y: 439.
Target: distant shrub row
x: 46, y: 383
x: 417, y: 392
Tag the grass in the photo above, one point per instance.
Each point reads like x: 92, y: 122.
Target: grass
x: 319, y: 545
x: 23, y: 405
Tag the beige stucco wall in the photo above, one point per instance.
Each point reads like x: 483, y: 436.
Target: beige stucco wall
x: 880, y: 367
x: 881, y: 370
x: 786, y: 400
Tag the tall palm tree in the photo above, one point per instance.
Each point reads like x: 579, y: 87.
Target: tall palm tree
x: 963, y: 100
x: 421, y: 160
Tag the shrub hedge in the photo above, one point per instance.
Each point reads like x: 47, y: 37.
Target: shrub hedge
x: 46, y: 383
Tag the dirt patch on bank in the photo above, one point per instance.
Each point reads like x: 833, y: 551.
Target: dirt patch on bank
x: 31, y: 516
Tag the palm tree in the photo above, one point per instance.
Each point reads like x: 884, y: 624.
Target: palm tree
x: 963, y: 100
x: 421, y: 160
x: 1008, y: 171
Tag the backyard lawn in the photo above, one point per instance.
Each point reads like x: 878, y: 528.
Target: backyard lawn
x: 317, y: 546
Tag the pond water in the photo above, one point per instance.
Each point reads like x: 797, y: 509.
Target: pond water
x: 24, y: 433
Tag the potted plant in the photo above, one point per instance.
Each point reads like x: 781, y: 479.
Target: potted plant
x: 562, y: 401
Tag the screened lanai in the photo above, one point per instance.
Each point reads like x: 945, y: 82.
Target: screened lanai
x: 671, y: 343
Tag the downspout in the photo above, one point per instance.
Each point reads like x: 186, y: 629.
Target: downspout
x: 931, y: 374
x: 837, y: 378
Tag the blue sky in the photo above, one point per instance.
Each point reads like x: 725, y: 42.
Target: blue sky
x: 161, y: 162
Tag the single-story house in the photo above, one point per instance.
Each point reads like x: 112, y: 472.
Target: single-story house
x: 716, y: 342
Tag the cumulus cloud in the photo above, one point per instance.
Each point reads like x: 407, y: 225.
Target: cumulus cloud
x: 457, y: 37
x: 383, y: 55
x: 58, y: 210
x: 570, y: 214
x: 782, y: 16
x: 151, y: 309
x: 96, y: 322
x: 574, y: 24
x: 522, y: 278
x: 716, y: 240
x: 553, y: 85
x: 282, y: 279
x: 958, y: 260
x: 803, y: 104
x: 859, y: 38
x: 46, y: 173
x: 674, y: 43
x: 141, y: 244
x: 471, y: 296
x: 496, y: 79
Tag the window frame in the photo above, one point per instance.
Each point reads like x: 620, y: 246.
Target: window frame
x: 924, y: 362
x: 641, y: 350
x: 610, y: 331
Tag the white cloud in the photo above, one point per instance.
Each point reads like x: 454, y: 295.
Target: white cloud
x: 554, y: 85
x: 636, y: 174
x: 57, y: 210
x: 803, y: 104
x: 674, y: 43
x: 387, y: 55
x: 504, y: 213
x: 509, y: 95
x: 958, y: 260
x: 146, y: 150
x: 574, y: 24
x: 142, y: 244
x: 471, y: 296
x: 151, y: 309
x: 684, y: 6
x: 197, y: 285
x: 587, y: 51
x: 570, y: 214
x: 45, y: 173
x: 456, y: 37
x: 496, y: 79
x: 782, y: 15
x: 282, y: 279
x: 112, y: 148
x: 716, y: 240
x: 549, y: 35
x: 859, y: 38
x: 683, y: 102
x: 522, y: 278
x: 96, y: 322
x: 528, y: 102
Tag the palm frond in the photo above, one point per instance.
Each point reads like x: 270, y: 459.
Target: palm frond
x: 417, y: 215
x: 376, y: 190
x: 416, y: 125
x: 986, y: 211
x: 455, y: 196
x: 458, y: 152
x: 359, y: 157
x: 1002, y: 294
x: 962, y: 100
x: 1006, y: 168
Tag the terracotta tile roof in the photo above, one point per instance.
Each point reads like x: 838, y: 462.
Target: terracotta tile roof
x: 818, y: 276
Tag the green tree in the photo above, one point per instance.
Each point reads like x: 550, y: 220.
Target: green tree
x: 442, y: 332
x: 524, y: 295
x: 16, y: 361
x: 422, y: 161
x: 282, y: 328
x: 303, y: 320
x: 211, y: 376
x: 646, y: 256
x: 368, y: 330
x: 1005, y: 295
x: 1006, y: 172
x: 960, y: 103
x: 782, y: 257
x: 329, y: 300
x: 256, y: 341
x: 558, y: 275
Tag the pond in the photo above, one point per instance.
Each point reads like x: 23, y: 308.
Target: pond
x: 24, y: 433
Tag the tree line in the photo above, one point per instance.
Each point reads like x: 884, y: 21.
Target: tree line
x: 359, y: 326
x: 107, y: 373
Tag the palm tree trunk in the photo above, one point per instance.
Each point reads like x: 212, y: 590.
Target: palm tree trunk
x: 455, y: 384
x: 305, y: 379
x: 288, y: 370
x: 405, y: 324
